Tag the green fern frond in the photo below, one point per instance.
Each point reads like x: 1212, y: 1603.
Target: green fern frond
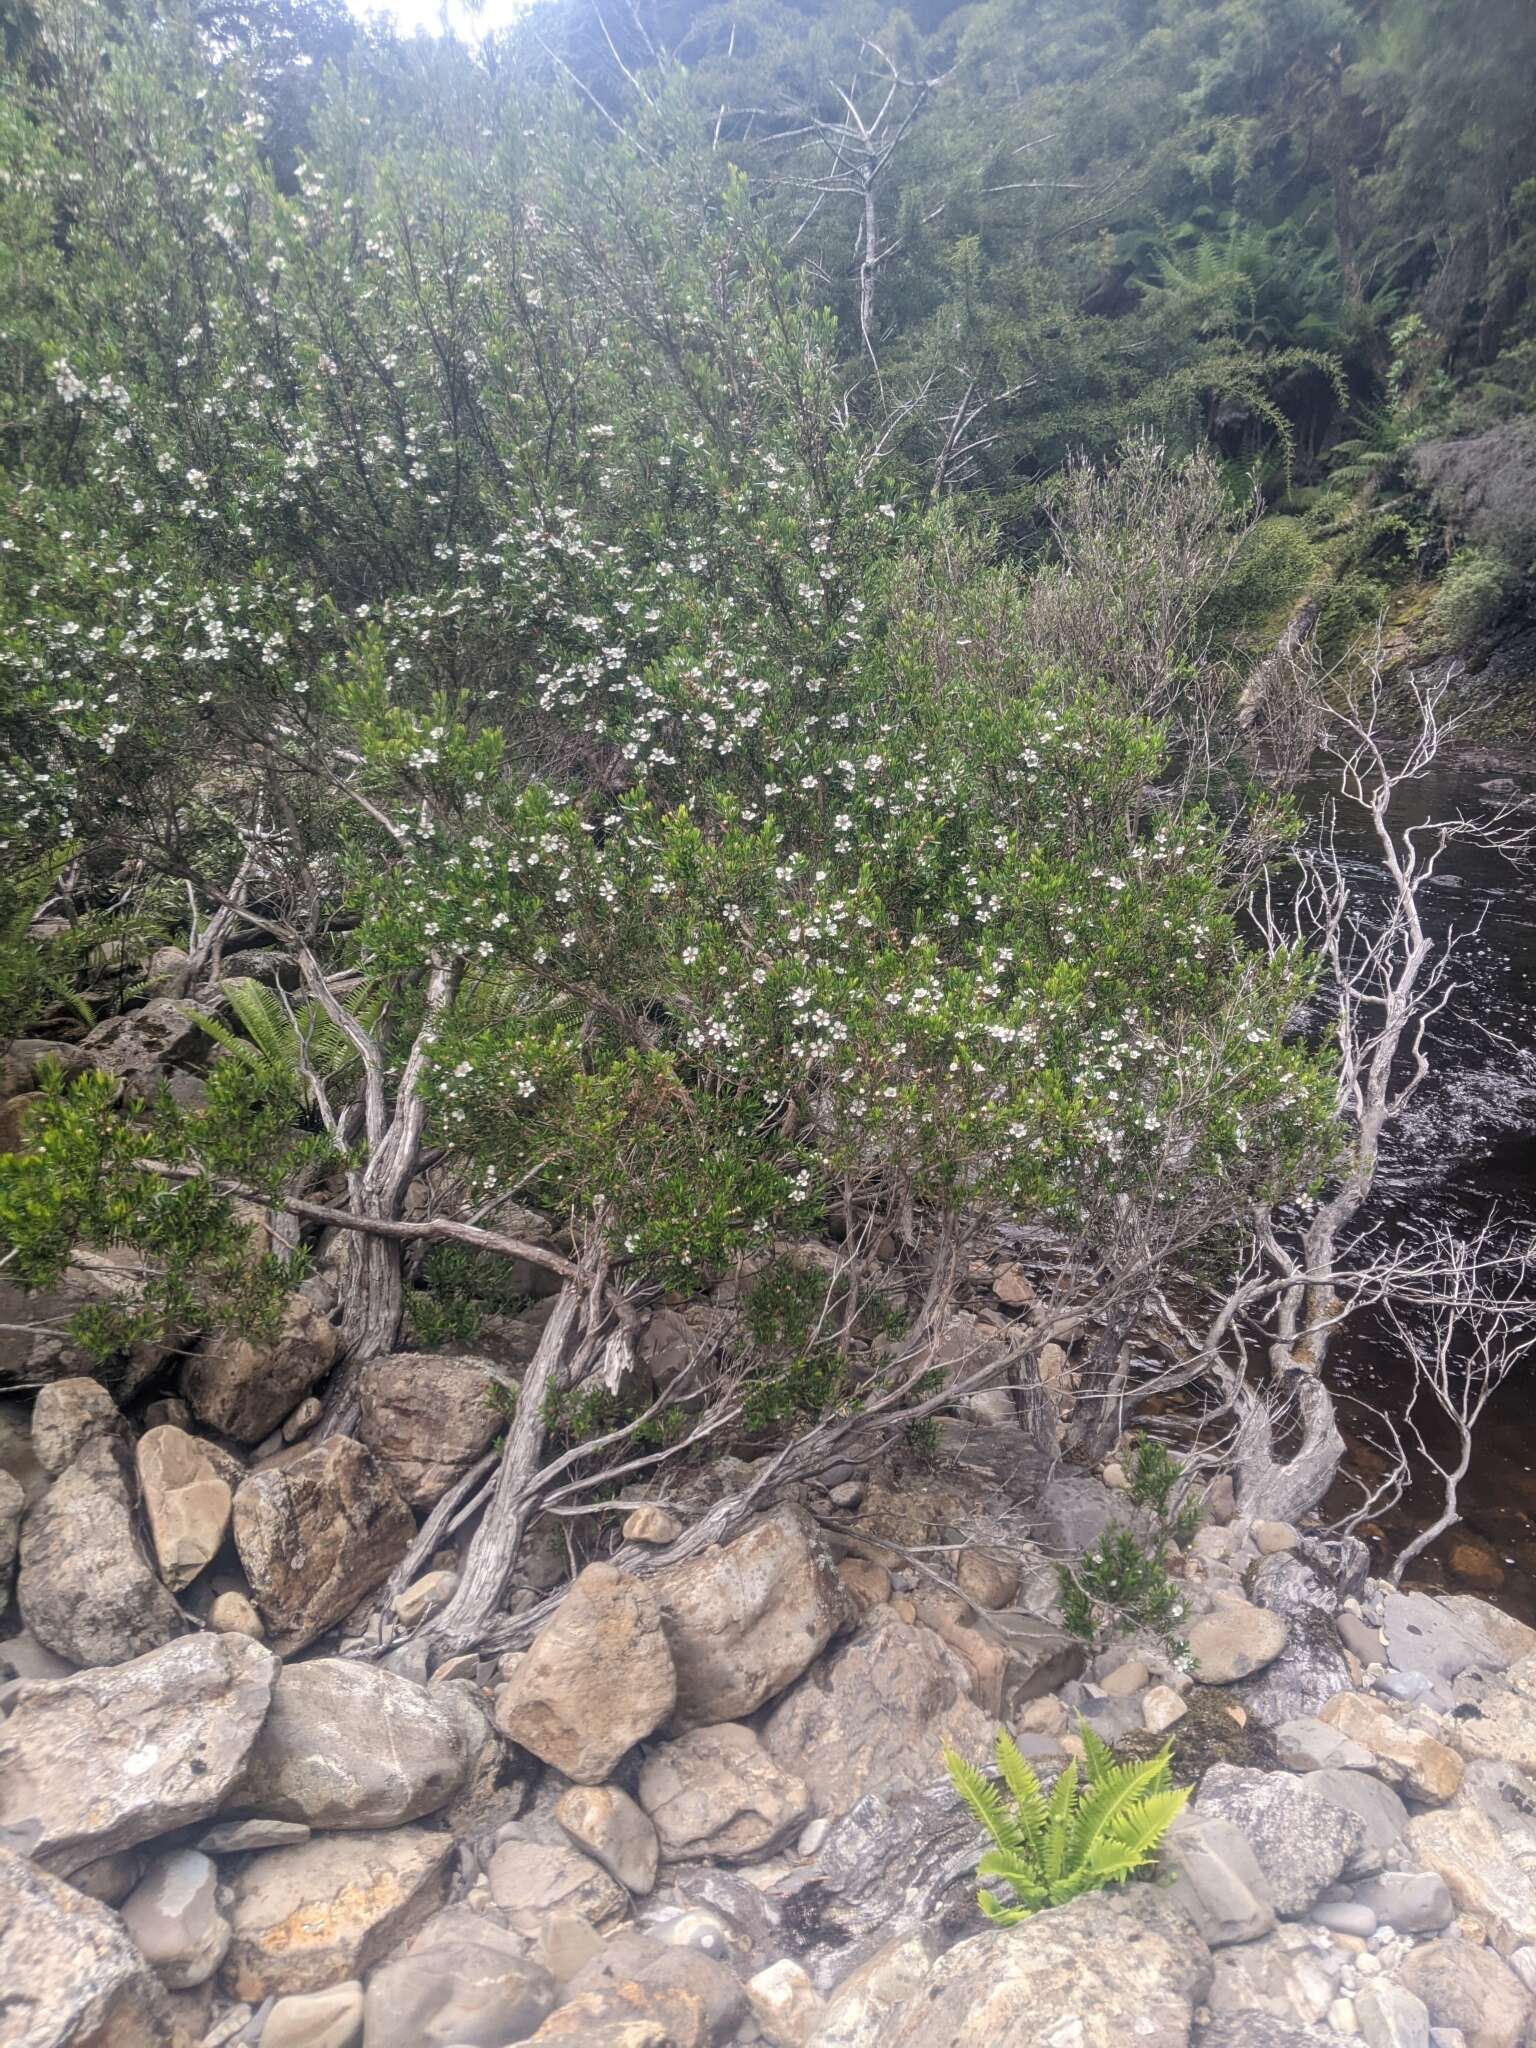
x: 1119, y: 1790
x: 984, y: 1801
x: 1023, y: 1788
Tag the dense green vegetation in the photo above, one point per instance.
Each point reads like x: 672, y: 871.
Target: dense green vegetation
x: 688, y: 583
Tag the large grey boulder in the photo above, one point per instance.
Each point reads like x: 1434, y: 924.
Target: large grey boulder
x: 1311, y: 1667
x: 530, y: 1880
x: 743, y: 1620
x: 244, y: 1389
x: 1257, y: 2030
x: 67, y: 1415
x: 717, y: 1792
x: 1234, y: 1642
x: 71, y: 1977
x: 426, y: 1416
x: 311, y: 1916
x: 348, y: 1745
x: 139, y: 1043
x: 316, y: 1534
x: 877, y: 1713
x: 597, y: 1679
x: 85, y: 1588
x: 1216, y: 1879
x: 1381, y: 1813
x: 1085, y: 1973
x: 629, y: 1957
x: 1292, y: 1975
x: 105, y: 1759
x: 1469, y: 1987
x: 1302, y: 1843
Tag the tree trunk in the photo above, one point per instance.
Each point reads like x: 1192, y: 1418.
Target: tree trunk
x: 1273, y: 1489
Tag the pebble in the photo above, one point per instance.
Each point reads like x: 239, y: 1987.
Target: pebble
x: 1345, y: 1917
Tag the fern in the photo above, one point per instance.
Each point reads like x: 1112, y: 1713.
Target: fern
x: 1097, y: 1828
x: 281, y: 1038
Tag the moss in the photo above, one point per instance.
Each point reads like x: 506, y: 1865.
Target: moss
x: 1207, y: 1735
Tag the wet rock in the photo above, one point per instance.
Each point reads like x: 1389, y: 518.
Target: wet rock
x: 105, y: 1759
x: 316, y: 1534
x: 85, y: 1588
x: 427, y: 1416
x: 187, y: 1503
x: 72, y: 1977
x: 1216, y: 1879
x: 876, y: 1712
x: 744, y: 1620
x: 316, y: 2019
x: 174, y: 1918
x: 717, y: 1792
x: 480, y: 1986
x: 1234, y: 1642
x: 244, y: 1389
x: 346, y: 1745
x: 530, y: 1879
x: 308, y: 1917
x: 69, y: 1414
x: 606, y: 1824
x: 1405, y: 1755
x: 1469, y: 1988
x: 1100, y: 1969
x: 1302, y: 1844
x: 598, y: 1678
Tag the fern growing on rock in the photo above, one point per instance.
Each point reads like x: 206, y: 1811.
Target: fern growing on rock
x: 1093, y: 1829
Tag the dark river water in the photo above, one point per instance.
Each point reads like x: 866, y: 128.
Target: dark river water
x: 1464, y: 1151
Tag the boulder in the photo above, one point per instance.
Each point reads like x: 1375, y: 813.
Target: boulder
x: 1308, y: 1744
x: 875, y: 1713
x: 316, y: 2019
x: 865, y: 2006
x: 1390, y: 2017
x: 427, y: 1416
x: 1489, y: 1869
x: 1376, y: 1806
x: 102, y: 1760
x: 187, y: 1502
x: 348, y: 1745
x: 67, y: 1415
x: 13, y: 1502
x: 1216, y: 1879
x: 174, y: 1918
x: 329, y: 1908
x: 530, y: 1879
x: 316, y: 1534
x: 785, y: 2003
x: 1302, y: 1844
x: 606, y: 1824
x: 72, y: 1978
x: 232, y: 1614
x: 1234, y: 1642
x: 39, y: 1344
x: 988, y: 1578
x: 1423, y: 1634
x: 1405, y: 1755
x: 1470, y: 1988
x: 635, y: 1958
x: 245, y: 1389
x: 717, y: 1792
x: 85, y: 1588
x: 1293, y: 1975
x: 478, y: 1988
x: 138, y: 1044
x: 1410, y: 1901
x: 1086, y: 1973
x: 743, y: 1620
x: 655, y: 1525
x: 598, y: 1678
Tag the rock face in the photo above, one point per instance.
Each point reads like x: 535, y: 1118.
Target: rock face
x: 161, y: 1033
x: 1488, y: 1864
x: 97, y: 1762
x: 1085, y: 1974
x: 187, y: 1502
x: 85, y: 1588
x: 67, y: 1415
x: 244, y: 1390
x: 315, y: 1535
x: 879, y: 1709
x: 744, y: 1620
x: 72, y: 1977
x: 1301, y: 1843
x: 717, y: 1792
x: 310, y: 1916
x: 598, y: 1678
x: 347, y: 1745
x: 174, y: 1918
x: 426, y: 1417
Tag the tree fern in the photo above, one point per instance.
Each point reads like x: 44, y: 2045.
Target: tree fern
x: 1097, y: 1827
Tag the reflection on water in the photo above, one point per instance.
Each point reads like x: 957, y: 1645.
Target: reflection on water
x: 1466, y: 1149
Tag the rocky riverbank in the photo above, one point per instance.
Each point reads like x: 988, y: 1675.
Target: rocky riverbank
x: 703, y: 1805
